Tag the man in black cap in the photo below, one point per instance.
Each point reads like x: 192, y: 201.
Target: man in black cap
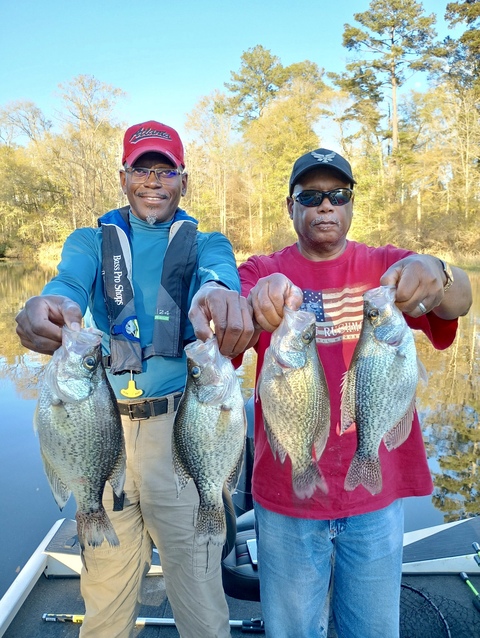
x: 349, y: 539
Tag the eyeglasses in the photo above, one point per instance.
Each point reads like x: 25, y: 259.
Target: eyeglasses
x: 139, y: 175
x: 337, y: 197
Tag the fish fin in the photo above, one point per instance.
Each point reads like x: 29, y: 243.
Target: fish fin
x: 180, y: 473
x: 306, y: 481
x: 210, y: 526
x: 321, y: 437
x: 94, y: 527
x: 117, y: 476
x: 347, y: 401
x: 366, y: 472
x: 401, y: 431
x: 61, y: 493
x: 233, y: 478
x: 181, y: 480
x: 275, y: 444
x: 422, y: 371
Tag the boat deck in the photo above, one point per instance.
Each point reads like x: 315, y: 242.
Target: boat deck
x: 432, y: 604
x: 62, y: 595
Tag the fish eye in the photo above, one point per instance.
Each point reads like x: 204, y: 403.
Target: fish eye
x: 308, y: 335
x: 195, y: 372
x: 373, y: 313
x: 90, y: 362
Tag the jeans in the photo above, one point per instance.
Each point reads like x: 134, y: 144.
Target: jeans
x: 358, y: 560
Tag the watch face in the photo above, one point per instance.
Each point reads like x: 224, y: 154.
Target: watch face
x: 448, y: 274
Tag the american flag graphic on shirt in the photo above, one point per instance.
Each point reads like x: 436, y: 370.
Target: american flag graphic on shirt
x: 339, y: 313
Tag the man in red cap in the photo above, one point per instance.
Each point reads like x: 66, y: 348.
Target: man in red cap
x: 138, y: 274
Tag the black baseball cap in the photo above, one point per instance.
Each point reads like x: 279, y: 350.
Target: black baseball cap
x: 320, y: 157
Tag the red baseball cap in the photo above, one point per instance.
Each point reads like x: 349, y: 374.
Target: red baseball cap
x: 152, y: 137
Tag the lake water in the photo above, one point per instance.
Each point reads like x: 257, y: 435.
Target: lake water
x: 448, y: 405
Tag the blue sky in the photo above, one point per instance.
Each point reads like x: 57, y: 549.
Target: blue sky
x: 164, y: 54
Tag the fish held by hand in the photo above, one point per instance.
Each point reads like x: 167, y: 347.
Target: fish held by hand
x: 80, y: 433
x: 295, y: 400
x: 378, y: 390
x: 209, y: 435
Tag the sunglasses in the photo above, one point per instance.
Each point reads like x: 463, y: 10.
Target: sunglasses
x: 337, y: 197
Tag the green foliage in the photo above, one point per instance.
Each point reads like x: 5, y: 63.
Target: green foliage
x: 395, y: 39
x: 261, y: 75
x: 58, y: 181
x: 259, y: 81
x: 461, y: 57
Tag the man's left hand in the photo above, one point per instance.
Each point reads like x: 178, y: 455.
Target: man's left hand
x: 230, y: 315
x: 420, y: 280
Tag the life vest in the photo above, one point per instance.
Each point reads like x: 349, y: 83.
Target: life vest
x: 126, y: 354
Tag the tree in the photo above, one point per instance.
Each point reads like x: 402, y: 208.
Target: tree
x: 397, y: 38
x: 82, y: 158
x: 210, y: 164
x: 58, y: 181
x: 463, y: 55
x: 26, y: 199
x: 89, y: 102
x: 259, y: 80
x: 467, y: 11
x: 23, y: 118
x: 255, y: 85
x: 284, y: 131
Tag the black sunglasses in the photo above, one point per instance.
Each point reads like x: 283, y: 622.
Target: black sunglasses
x: 337, y: 197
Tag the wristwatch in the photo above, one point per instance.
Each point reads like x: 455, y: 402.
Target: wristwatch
x: 448, y: 274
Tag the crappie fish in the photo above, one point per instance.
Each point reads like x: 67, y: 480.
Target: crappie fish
x: 295, y: 400
x: 378, y: 392
x: 209, y: 435
x: 80, y: 433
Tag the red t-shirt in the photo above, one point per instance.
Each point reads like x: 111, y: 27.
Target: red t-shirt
x: 333, y: 290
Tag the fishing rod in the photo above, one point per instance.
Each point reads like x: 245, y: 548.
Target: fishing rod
x: 252, y: 626
x: 476, y: 600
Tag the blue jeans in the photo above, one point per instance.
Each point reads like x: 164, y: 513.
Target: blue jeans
x: 357, y: 559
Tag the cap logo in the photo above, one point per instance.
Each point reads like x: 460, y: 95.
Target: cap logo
x: 321, y: 157
x: 145, y: 133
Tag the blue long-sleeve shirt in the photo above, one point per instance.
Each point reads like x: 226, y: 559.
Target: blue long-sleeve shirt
x: 80, y: 278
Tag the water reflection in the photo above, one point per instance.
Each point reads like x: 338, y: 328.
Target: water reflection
x: 18, y: 282
x: 449, y: 411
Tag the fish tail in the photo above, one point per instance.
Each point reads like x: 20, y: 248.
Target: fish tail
x: 306, y: 481
x: 94, y: 527
x: 211, y: 526
x: 364, y: 471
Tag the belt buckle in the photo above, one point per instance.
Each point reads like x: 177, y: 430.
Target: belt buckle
x: 142, y: 406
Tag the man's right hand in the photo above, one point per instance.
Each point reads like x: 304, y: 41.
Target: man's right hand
x: 268, y: 298
x: 39, y: 323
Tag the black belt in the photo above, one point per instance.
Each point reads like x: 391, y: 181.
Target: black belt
x: 140, y: 410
